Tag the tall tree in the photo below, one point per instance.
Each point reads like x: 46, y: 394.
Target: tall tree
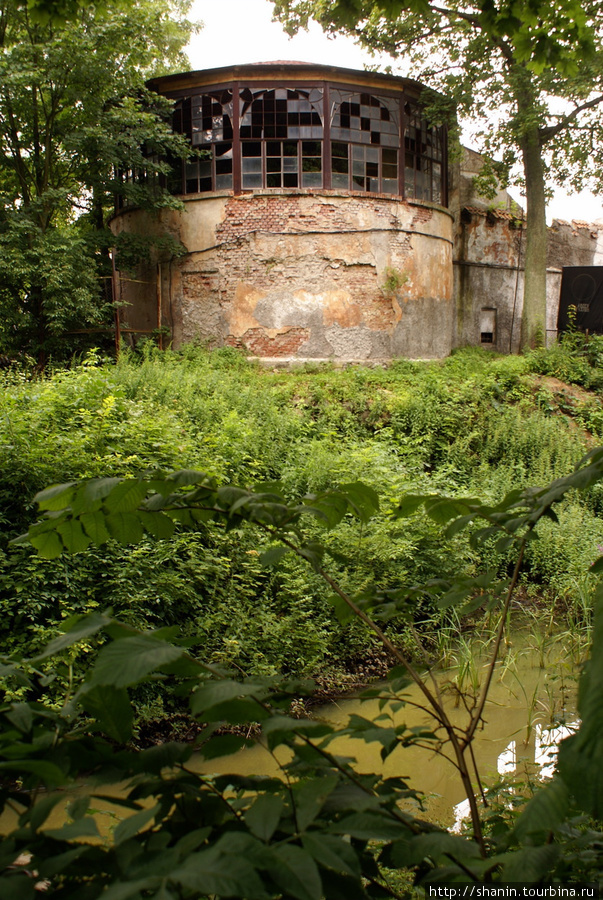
x: 527, y: 76
x: 74, y: 117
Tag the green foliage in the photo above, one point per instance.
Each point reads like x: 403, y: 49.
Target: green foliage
x: 75, y: 117
x: 472, y: 425
x: 321, y: 829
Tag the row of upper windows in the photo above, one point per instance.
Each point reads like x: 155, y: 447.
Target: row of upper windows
x: 280, y: 142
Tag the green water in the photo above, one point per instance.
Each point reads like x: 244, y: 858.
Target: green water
x: 531, y: 706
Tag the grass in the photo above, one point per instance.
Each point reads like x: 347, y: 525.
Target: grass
x: 471, y: 425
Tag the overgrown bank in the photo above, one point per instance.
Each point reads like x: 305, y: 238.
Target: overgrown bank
x: 474, y: 424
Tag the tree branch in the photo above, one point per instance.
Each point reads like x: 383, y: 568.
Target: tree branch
x: 547, y: 133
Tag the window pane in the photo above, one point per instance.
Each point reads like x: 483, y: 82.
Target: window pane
x: 312, y: 179
x: 340, y: 165
x: 252, y: 165
x: 251, y: 148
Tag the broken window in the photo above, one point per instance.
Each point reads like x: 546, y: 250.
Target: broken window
x: 207, y: 119
x: 281, y: 135
x: 423, y: 157
x: 365, y: 136
x: 252, y: 138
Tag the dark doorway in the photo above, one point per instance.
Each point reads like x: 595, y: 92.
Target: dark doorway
x: 582, y: 288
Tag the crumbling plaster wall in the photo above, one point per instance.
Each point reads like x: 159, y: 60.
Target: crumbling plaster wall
x: 488, y: 271
x: 489, y: 247
x: 302, y: 275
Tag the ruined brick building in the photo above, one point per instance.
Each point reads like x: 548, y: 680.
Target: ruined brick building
x: 323, y: 221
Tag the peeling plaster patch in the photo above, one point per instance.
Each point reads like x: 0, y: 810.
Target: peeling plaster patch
x: 200, y: 310
x: 397, y: 309
x: 339, y: 309
x: 242, y: 314
x: 303, y: 275
x: 349, y: 343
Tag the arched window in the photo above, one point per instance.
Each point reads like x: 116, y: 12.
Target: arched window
x: 281, y: 134
x: 365, y: 142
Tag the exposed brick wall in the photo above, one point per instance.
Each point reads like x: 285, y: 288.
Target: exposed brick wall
x: 258, y: 343
x: 247, y: 214
x: 303, y: 274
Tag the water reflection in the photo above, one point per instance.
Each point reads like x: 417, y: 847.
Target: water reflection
x: 529, y: 698
x: 545, y: 748
x: 530, y: 710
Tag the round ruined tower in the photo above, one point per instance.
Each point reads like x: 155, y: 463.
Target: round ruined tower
x: 314, y: 218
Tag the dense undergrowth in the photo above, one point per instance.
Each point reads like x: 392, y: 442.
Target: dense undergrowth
x: 474, y: 424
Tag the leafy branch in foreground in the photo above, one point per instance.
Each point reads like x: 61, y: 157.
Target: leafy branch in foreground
x: 322, y: 828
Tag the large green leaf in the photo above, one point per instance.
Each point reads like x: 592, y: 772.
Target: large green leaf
x: 21, y: 716
x: 127, y: 828
x: 47, y: 543
x: 130, y: 660
x: 80, y: 828
x: 126, y: 496
x: 362, y: 498
x: 332, y: 853
x: 93, y: 524
x: 545, y: 811
x: 73, y: 536
x: 529, y: 865
x: 126, y: 527
x: 295, y: 871
x: 369, y: 826
x: 309, y: 798
x: 56, y: 497
x: 215, y: 872
x: 157, y: 524
x: 213, y: 693
x: 264, y: 815
x: 579, y: 760
x: 111, y: 708
x: 76, y: 629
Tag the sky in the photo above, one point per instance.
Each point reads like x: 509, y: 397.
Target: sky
x: 242, y: 31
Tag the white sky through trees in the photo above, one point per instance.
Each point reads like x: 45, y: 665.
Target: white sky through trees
x: 242, y: 31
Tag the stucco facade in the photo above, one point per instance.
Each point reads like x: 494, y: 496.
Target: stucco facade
x: 489, y: 273
x: 303, y: 276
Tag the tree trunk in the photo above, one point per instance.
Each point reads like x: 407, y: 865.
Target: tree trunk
x: 533, y: 320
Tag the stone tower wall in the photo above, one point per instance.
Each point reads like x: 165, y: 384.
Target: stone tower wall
x: 302, y: 275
